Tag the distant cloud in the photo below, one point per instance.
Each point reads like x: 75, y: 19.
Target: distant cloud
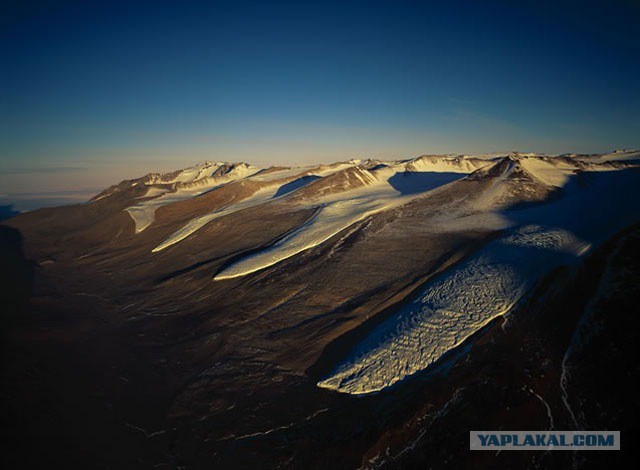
x: 44, y: 170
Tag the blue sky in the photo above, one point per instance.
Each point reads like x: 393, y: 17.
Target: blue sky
x: 93, y: 92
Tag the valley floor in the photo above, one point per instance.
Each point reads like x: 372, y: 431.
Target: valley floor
x: 85, y: 390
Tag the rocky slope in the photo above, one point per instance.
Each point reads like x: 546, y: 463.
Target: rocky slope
x: 336, y: 316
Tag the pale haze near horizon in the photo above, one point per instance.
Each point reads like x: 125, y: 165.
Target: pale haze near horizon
x: 94, y: 94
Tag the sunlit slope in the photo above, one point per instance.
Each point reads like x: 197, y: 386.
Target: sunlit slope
x: 567, y: 210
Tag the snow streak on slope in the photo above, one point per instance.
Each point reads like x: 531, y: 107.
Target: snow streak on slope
x: 197, y: 172
x: 417, y: 176
x: 143, y: 213
x: 259, y: 197
x: 553, y: 172
x: 447, y: 163
x: 329, y: 221
x: 339, y: 211
x: 452, y: 308
x: 189, y: 183
x: 383, y: 187
x: 269, y: 193
x: 154, y: 191
x: 319, y: 170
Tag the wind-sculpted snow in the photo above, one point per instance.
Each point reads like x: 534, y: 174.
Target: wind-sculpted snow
x: 259, y: 197
x: 328, y: 221
x: 377, y: 187
x: 532, y: 178
x: 272, y: 191
x: 447, y: 164
x: 189, y: 183
x: 380, y: 189
x: 451, y: 308
x: 454, y: 306
x: 340, y: 181
x: 617, y: 156
x: 340, y: 210
x: 196, y: 224
x: 143, y: 213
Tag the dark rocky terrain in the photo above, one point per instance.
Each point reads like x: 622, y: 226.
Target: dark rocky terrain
x: 119, y: 355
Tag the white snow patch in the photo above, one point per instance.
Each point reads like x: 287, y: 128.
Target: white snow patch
x: 550, y: 172
x: 330, y: 220
x: 143, y: 213
x: 337, y: 212
x: 446, y: 164
x: 617, y: 156
x: 259, y: 197
x: 281, y: 174
x: 451, y: 308
x: 153, y: 191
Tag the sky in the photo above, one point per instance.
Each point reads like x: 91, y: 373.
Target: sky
x: 95, y: 92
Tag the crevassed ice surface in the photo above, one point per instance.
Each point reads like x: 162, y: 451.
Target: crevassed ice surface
x: 453, y: 307
x: 463, y: 299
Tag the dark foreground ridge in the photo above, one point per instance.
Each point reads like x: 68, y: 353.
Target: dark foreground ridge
x: 116, y: 356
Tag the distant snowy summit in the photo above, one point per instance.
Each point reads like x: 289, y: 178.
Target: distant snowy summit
x: 529, y: 199
x: 208, y: 175
x: 471, y: 234
x: 348, y: 191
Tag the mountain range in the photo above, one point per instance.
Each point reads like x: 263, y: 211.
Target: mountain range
x: 360, y: 314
